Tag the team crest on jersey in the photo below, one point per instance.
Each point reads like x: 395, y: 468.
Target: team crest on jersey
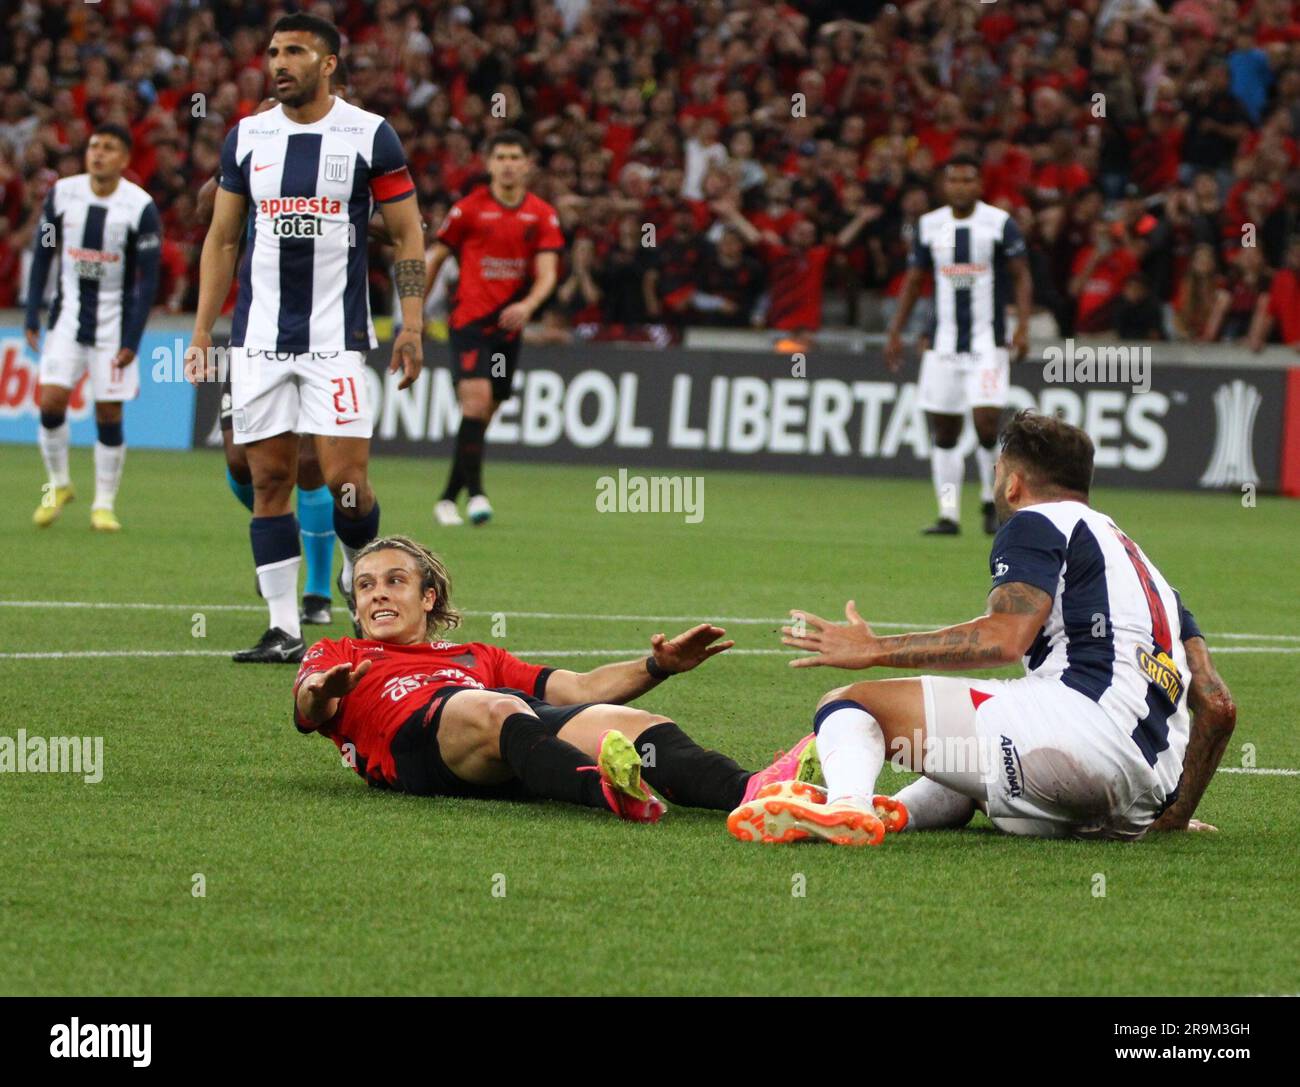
x: 1163, y: 672
x: 115, y: 235
x: 336, y: 167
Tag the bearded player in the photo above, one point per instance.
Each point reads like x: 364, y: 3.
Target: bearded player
x: 311, y: 170
x: 1092, y: 742
x: 507, y: 242
x: 417, y: 714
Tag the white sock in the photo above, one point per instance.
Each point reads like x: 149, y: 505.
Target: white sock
x: 108, y: 474
x: 948, y: 469
x: 852, y: 751
x: 986, y: 459
x: 54, y: 452
x: 349, y: 559
x: 279, y: 584
x: 931, y: 806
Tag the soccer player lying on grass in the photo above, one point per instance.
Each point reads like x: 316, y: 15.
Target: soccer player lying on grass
x: 440, y: 719
x: 1092, y: 742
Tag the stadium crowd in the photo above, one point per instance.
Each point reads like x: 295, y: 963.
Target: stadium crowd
x: 737, y: 162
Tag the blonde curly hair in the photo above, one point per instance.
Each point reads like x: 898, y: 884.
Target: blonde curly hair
x: 433, y: 575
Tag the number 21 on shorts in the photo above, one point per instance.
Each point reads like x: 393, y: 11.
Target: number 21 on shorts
x: 345, y: 387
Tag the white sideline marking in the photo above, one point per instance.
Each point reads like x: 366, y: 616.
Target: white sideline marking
x: 539, y: 654
x: 1258, y: 770
x: 582, y: 616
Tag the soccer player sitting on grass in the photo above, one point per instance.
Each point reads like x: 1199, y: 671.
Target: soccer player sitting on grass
x: 441, y: 719
x: 1094, y: 741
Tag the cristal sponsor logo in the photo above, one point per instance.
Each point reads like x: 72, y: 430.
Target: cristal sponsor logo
x: 92, y: 263
x: 1163, y: 672
x: 651, y: 494
x: 112, y: 1040
x: 1116, y: 364
x: 23, y: 754
x: 1011, y: 767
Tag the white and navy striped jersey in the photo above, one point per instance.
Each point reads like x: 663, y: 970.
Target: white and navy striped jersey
x: 303, y: 279
x: 972, y: 284
x: 109, y: 249
x: 1116, y: 629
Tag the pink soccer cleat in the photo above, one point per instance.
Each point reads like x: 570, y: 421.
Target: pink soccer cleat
x: 785, y: 767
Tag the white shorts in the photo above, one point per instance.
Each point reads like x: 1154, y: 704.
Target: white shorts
x: 278, y: 392
x: 953, y: 384
x: 63, y: 361
x: 1051, y: 763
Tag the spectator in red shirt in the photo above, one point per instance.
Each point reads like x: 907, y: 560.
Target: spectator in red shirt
x: 796, y: 265
x: 1099, y: 273
x: 1062, y: 174
x: 1282, y: 314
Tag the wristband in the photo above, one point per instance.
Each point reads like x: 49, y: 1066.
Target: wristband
x: 655, y: 671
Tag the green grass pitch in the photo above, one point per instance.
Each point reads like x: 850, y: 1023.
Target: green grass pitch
x: 317, y: 885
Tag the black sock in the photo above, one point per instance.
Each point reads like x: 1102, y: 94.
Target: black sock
x: 455, y: 479
x: 547, y: 766
x: 686, y: 773
x: 469, y: 454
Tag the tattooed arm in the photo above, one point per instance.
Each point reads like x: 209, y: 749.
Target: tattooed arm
x: 402, y: 220
x: 1213, y: 718
x: 1016, y: 613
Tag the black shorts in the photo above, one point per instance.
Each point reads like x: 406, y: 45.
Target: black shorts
x: 483, y: 349
x: 420, y: 769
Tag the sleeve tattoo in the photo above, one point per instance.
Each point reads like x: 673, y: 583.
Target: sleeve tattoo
x: 1016, y: 598
x: 409, y: 275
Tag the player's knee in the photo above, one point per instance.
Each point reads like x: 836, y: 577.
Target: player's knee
x: 54, y: 403
x: 350, y: 488
x: 836, y: 695
x: 500, y: 708
x: 642, y: 722
x: 273, y: 478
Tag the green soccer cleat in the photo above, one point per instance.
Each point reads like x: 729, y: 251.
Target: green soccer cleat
x: 810, y: 766
x: 620, y: 778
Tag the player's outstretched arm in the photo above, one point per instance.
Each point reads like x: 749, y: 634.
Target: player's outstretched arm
x: 1016, y: 613
x: 402, y: 220
x: 627, y: 680
x: 1214, y: 716
x: 319, y: 694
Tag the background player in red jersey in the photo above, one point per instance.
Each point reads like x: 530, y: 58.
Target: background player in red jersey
x: 441, y: 719
x: 507, y: 242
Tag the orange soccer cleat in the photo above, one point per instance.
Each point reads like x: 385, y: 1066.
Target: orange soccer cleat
x: 797, y: 811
